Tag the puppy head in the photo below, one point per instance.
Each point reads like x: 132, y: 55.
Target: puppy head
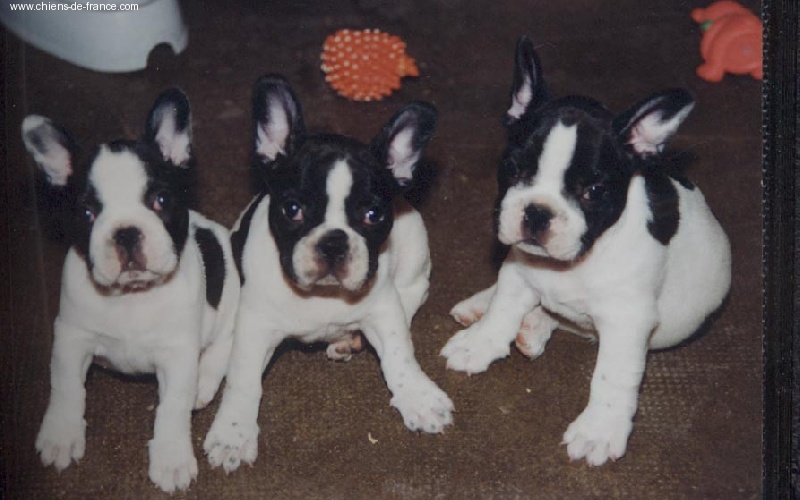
x: 126, y: 210
x: 564, y: 177
x: 331, y: 196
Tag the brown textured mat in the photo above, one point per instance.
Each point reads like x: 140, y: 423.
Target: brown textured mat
x: 698, y: 430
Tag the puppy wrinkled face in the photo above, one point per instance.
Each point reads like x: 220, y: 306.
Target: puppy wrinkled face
x: 330, y: 213
x: 132, y: 217
x: 565, y: 184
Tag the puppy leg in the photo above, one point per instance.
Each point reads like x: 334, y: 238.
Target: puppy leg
x: 535, y: 331
x: 233, y: 437
x: 172, y: 462
x: 474, y: 349
x: 62, y: 436
x: 601, y: 432
x: 212, y: 369
x: 472, y: 309
x: 413, y: 296
x: 422, y: 404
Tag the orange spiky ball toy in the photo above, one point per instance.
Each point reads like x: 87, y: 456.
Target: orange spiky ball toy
x: 365, y: 65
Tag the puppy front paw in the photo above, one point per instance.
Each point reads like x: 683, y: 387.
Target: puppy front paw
x: 598, y: 436
x: 172, y: 464
x: 472, y: 351
x: 424, y: 407
x: 230, y: 443
x: 60, y: 442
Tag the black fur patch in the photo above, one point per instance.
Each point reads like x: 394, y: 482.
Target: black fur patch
x: 213, y: 263
x: 239, y: 237
x: 663, y: 199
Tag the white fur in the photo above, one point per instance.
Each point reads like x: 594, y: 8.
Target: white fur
x: 634, y: 292
x: 270, y: 311
x: 169, y: 330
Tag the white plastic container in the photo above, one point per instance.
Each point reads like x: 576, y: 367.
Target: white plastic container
x: 110, y: 40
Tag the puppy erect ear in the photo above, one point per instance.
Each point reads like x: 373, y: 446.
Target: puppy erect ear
x: 277, y: 116
x: 529, y: 89
x: 169, y: 126
x: 400, y: 143
x: 647, y: 126
x: 50, y: 147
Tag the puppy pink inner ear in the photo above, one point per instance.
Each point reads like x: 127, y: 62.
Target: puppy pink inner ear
x: 57, y: 164
x: 41, y: 141
x: 175, y: 146
x: 402, y: 158
x: 651, y: 133
x: 271, y: 136
x: 521, y: 99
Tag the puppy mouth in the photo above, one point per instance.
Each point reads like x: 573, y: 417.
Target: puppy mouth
x: 326, y: 280
x: 332, y: 279
x: 133, y: 281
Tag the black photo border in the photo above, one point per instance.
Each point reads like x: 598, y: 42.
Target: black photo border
x: 780, y: 164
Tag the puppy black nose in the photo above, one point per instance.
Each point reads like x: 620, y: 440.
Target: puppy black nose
x: 537, y: 218
x: 333, y: 246
x: 127, y: 238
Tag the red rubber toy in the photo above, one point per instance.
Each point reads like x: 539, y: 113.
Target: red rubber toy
x: 732, y: 41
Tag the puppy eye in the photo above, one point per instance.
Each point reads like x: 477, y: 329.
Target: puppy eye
x: 293, y: 211
x: 594, y: 192
x: 89, y: 214
x: 374, y: 216
x: 160, y: 201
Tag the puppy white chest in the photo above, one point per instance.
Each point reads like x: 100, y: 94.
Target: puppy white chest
x: 128, y: 329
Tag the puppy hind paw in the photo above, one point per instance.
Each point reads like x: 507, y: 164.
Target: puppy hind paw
x: 465, y: 313
x: 343, y: 349
x: 61, y: 443
x: 228, y: 444
x: 471, y: 351
x: 531, y: 341
x: 173, y: 466
x: 426, y: 408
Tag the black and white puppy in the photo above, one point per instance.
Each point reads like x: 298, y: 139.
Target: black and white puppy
x: 148, y: 285
x: 602, y: 237
x: 326, y: 250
